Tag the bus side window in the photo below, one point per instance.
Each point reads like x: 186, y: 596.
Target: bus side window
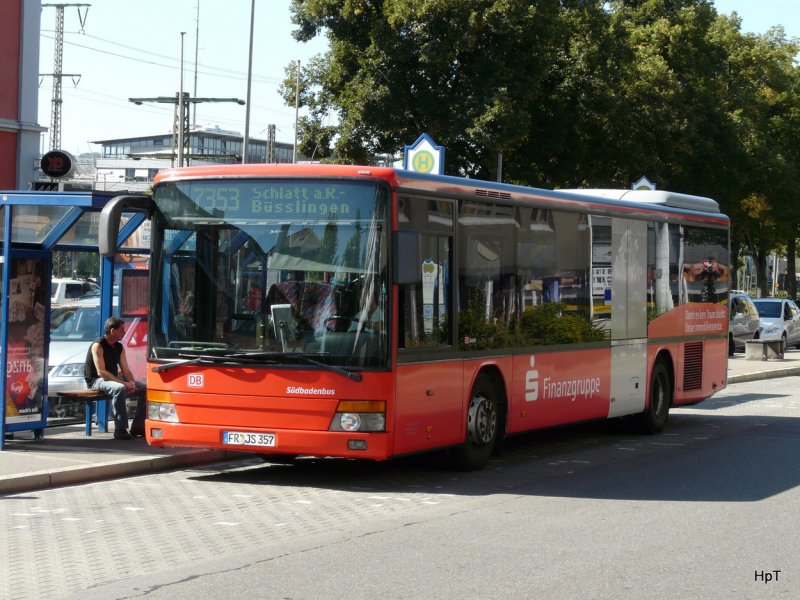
x: 424, y: 306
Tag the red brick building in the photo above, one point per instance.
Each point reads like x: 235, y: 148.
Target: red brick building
x: 19, y: 80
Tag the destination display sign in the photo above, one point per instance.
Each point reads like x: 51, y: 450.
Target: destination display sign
x: 267, y: 199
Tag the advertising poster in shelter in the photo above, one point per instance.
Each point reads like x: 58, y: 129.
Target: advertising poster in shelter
x: 25, y: 366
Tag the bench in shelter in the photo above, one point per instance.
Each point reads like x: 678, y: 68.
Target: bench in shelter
x: 95, y: 403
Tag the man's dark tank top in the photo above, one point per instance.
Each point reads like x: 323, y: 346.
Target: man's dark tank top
x: 111, y: 356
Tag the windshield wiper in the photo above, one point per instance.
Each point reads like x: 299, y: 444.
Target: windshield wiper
x: 255, y: 357
x: 206, y: 358
x: 192, y: 345
x: 304, y: 357
x: 339, y: 370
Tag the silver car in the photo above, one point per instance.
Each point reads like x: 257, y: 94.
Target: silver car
x: 744, y: 322
x: 780, y: 320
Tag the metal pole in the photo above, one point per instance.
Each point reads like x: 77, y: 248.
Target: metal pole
x: 175, y: 136
x: 58, y: 74
x: 774, y: 282
x: 246, y: 141
x: 196, y: 50
x: 55, y: 112
x: 499, y: 167
x: 296, y: 110
x: 6, y: 279
x: 181, y: 109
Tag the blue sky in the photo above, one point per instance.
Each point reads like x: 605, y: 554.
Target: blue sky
x: 759, y: 15
x: 132, y: 49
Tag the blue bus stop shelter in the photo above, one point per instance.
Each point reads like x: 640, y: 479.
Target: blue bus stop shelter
x: 32, y: 226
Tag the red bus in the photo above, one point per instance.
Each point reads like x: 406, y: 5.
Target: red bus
x: 370, y: 312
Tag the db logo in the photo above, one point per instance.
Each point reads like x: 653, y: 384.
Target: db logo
x: 195, y: 380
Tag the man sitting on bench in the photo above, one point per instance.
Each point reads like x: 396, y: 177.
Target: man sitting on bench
x: 104, y: 360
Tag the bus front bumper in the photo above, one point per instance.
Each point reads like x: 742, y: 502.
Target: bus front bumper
x: 371, y: 446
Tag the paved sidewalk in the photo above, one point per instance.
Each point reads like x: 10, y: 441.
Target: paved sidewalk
x: 741, y: 369
x: 66, y: 457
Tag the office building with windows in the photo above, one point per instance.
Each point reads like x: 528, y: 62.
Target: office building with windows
x: 208, y: 144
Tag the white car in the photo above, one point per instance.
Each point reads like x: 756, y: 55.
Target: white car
x: 779, y: 319
x: 73, y: 291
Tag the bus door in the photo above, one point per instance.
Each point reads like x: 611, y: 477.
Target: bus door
x: 628, y: 317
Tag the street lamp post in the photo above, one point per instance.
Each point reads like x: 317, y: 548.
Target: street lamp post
x: 296, y: 109
x: 181, y: 112
x: 246, y: 140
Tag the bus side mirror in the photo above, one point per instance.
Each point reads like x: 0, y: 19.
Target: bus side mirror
x: 110, y: 218
x: 407, y: 257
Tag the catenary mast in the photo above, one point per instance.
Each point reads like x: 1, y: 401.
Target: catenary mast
x: 58, y: 74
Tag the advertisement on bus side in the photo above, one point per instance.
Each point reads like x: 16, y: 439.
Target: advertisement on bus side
x: 553, y: 387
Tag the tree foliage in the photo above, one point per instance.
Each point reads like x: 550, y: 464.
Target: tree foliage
x: 569, y: 92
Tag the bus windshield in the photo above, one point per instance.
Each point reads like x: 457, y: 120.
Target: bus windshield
x: 265, y: 270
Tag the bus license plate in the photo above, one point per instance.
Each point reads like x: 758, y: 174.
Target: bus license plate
x: 245, y: 438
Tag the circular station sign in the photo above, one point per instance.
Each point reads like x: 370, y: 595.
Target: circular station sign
x: 57, y: 163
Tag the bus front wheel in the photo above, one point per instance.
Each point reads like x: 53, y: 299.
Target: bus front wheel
x: 482, y: 427
x: 655, y: 416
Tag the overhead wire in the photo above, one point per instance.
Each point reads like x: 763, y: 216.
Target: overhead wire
x: 243, y: 74
x: 243, y: 78
x: 223, y: 73
x: 162, y: 110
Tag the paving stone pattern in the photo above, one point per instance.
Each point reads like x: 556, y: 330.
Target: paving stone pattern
x: 57, y: 542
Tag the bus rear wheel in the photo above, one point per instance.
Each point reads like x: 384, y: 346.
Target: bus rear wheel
x: 655, y: 416
x: 482, y: 427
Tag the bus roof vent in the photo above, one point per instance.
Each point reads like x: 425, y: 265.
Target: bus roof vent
x: 492, y: 194
x: 662, y: 197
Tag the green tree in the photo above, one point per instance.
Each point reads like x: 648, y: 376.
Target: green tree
x: 572, y: 93
x: 761, y: 100
x: 462, y: 71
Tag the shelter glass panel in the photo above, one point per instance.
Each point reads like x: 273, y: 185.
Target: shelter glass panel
x: 31, y: 224
x: 139, y: 238
x: 83, y: 232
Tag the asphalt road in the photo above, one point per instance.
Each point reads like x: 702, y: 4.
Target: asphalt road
x: 706, y: 510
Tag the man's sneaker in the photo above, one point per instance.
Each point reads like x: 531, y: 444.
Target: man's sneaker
x: 122, y: 435
x: 137, y: 432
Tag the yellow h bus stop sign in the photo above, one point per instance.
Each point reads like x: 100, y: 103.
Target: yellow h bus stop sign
x: 424, y: 156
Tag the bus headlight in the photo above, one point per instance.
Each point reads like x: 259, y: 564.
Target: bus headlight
x: 359, y: 415
x: 350, y: 421
x: 162, y: 411
x: 160, y: 406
